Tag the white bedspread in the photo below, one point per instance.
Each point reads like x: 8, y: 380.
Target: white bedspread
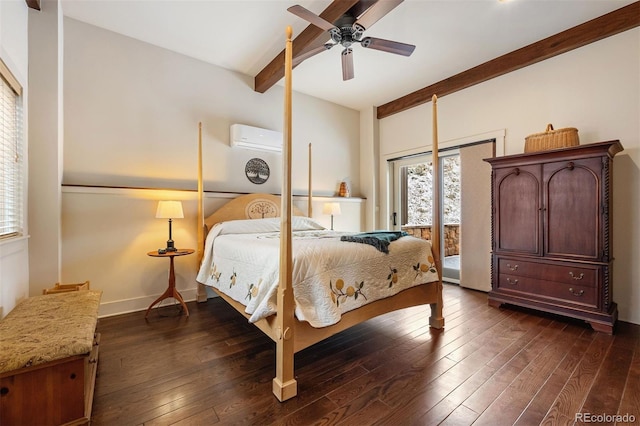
x: 330, y: 276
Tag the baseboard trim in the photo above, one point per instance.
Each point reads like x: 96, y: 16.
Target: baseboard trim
x: 119, y: 307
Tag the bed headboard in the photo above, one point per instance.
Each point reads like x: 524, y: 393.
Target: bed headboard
x: 250, y: 206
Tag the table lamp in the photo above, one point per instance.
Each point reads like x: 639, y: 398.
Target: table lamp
x: 169, y: 210
x: 332, y: 209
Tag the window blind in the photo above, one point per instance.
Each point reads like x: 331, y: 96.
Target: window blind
x: 11, y: 155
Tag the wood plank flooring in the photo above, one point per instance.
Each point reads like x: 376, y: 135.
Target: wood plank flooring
x: 488, y: 367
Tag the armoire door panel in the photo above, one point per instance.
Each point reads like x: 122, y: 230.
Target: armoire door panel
x: 518, y: 225
x: 572, y: 206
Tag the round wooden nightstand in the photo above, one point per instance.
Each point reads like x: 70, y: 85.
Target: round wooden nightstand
x: 171, y: 291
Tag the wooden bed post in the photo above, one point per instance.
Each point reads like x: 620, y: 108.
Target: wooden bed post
x: 201, y: 292
x: 310, y: 199
x: 284, y: 384
x: 436, y: 319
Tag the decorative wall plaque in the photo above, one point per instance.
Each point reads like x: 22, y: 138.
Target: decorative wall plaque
x: 261, y: 208
x: 257, y: 171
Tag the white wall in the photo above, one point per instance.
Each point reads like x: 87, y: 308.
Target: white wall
x: 131, y: 116
x: 595, y: 88
x: 45, y: 147
x: 369, y: 156
x: 14, y: 51
x: 132, y: 111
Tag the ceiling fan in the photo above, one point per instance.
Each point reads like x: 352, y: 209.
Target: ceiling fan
x: 348, y: 30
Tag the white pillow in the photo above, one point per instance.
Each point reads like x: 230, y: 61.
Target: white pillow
x: 303, y: 223
x: 271, y: 224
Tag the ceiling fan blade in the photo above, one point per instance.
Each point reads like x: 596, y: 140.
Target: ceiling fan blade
x: 311, y: 17
x: 375, y: 12
x: 396, y: 47
x: 311, y: 52
x: 347, y: 64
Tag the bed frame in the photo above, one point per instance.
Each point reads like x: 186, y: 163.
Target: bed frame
x: 289, y: 334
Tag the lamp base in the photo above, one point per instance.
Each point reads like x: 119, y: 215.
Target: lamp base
x: 170, y: 246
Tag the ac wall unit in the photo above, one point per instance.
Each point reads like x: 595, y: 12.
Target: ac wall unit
x: 249, y: 137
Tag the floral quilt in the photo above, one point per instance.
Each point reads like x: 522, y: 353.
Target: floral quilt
x: 330, y: 277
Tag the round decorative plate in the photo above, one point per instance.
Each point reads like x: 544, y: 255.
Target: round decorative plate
x: 257, y: 171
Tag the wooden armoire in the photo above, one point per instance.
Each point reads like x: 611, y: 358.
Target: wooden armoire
x: 551, y: 232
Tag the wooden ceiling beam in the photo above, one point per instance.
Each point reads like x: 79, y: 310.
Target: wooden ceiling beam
x: 612, y: 23
x: 33, y: 4
x: 273, y: 72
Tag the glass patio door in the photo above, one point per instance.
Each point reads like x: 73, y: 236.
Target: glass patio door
x: 413, y: 204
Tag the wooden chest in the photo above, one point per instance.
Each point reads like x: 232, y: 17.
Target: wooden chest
x: 48, y: 359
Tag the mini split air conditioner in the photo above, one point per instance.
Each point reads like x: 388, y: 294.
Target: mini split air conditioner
x: 248, y: 137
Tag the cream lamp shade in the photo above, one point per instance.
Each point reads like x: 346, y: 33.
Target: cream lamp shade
x: 169, y: 210
x: 331, y: 208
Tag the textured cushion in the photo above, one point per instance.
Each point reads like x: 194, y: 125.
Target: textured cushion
x: 49, y: 327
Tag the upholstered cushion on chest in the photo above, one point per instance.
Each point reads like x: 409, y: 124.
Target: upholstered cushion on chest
x: 50, y: 327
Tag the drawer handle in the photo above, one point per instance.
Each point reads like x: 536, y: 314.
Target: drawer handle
x: 579, y: 277
x: 513, y: 268
x: 576, y: 293
x: 514, y: 282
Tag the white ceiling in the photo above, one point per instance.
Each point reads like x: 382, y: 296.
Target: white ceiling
x: 244, y: 35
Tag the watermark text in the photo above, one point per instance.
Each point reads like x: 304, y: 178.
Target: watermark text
x: 604, y: 418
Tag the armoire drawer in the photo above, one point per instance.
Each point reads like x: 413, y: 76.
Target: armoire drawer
x: 545, y: 290
x: 568, y: 274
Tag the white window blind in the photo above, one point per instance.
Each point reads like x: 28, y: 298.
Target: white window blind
x: 11, y: 155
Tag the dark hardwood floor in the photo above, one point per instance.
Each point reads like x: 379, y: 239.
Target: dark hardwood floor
x: 489, y: 366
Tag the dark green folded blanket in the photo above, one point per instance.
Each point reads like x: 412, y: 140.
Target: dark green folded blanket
x: 379, y: 239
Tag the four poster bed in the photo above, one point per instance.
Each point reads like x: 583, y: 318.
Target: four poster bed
x: 250, y: 259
